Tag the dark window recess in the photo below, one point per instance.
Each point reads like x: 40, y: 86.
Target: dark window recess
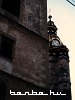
x: 12, y: 6
x: 6, y: 48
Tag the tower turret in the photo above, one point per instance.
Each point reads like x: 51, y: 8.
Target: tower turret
x: 58, y: 64
x: 52, y: 29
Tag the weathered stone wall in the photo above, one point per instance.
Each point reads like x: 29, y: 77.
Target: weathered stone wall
x: 59, y: 71
x: 59, y: 76
x: 30, y: 61
x: 33, y: 15
x: 52, y: 72
x: 8, y: 82
x: 63, y: 74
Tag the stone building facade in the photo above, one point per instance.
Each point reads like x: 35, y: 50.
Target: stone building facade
x: 24, y: 48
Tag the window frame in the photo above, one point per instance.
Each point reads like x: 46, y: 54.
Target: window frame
x: 14, y: 43
x: 8, y: 14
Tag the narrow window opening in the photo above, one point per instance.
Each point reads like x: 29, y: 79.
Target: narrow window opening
x: 6, y: 47
x: 12, y: 6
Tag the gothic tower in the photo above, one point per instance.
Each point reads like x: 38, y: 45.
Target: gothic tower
x: 59, y: 74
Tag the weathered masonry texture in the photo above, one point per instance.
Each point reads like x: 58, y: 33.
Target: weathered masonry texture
x: 8, y: 82
x: 30, y: 59
x: 28, y: 67
x: 32, y: 15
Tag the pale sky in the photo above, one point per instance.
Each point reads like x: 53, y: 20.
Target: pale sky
x: 63, y: 15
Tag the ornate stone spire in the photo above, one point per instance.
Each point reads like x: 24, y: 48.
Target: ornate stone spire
x: 59, y: 76
x: 52, y: 29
